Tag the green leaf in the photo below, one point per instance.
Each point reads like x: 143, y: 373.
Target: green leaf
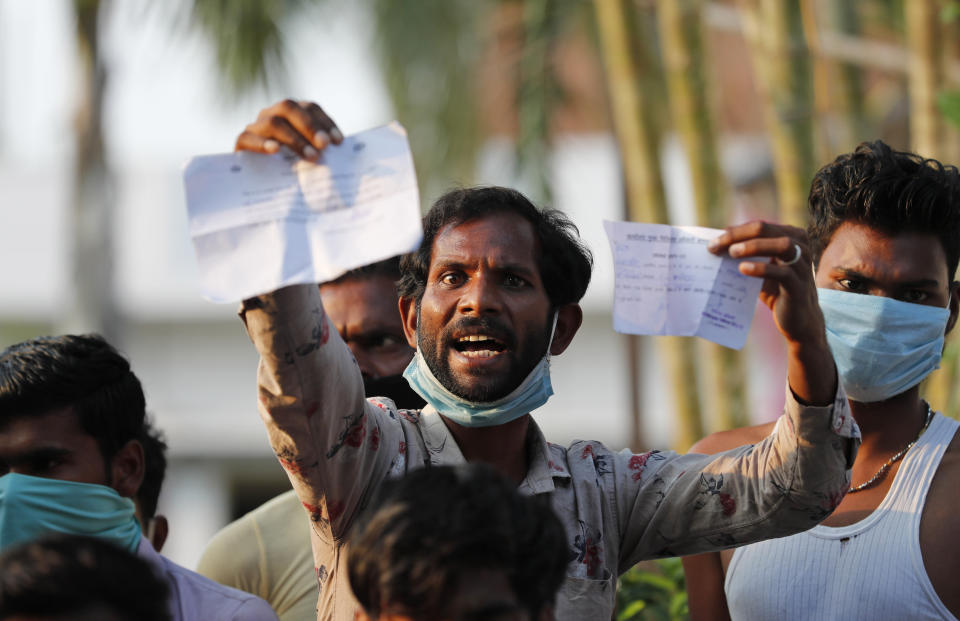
x: 632, y: 609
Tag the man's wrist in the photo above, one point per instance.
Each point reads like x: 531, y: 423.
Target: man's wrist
x: 811, y: 372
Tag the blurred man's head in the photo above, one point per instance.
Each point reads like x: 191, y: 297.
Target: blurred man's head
x: 155, y: 527
x: 362, y: 304
x: 69, y: 578
x: 455, y: 544
x: 71, y: 415
x: 885, y: 224
x: 480, y: 295
x: 71, y: 409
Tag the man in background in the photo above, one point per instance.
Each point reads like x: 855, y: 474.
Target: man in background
x: 71, y: 420
x: 267, y: 551
x: 885, y: 236
x: 154, y: 526
x: 457, y: 543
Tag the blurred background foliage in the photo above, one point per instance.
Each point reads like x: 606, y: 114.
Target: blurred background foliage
x: 811, y: 78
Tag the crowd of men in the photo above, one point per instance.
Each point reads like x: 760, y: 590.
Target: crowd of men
x: 398, y: 398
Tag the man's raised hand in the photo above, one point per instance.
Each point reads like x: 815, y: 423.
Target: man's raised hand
x: 790, y: 292
x: 302, y: 126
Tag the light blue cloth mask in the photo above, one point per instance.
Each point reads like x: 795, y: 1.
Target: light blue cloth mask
x: 882, y: 346
x: 532, y: 392
x: 31, y: 507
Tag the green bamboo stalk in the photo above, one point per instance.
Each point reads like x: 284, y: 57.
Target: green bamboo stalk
x: 684, y: 55
x: 629, y: 69
x: 925, y: 79
x: 781, y: 60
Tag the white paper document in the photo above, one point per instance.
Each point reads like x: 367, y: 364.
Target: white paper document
x: 261, y: 222
x: 666, y: 282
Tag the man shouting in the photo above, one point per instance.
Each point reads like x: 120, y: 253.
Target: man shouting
x: 491, y: 294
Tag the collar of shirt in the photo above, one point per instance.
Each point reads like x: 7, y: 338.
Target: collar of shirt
x: 542, y: 467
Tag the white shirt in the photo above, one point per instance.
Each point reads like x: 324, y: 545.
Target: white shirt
x: 195, y: 598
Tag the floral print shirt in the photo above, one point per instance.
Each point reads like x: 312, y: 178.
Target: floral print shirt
x: 618, y: 508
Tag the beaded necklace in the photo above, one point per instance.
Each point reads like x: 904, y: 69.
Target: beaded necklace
x: 883, y: 469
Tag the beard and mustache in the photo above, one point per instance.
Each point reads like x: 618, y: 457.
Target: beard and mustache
x: 486, y: 386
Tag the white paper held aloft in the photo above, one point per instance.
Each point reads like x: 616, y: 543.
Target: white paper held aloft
x: 262, y: 222
x: 666, y: 282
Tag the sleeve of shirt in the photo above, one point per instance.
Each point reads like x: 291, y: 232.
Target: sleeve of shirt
x: 332, y: 442
x: 671, y: 505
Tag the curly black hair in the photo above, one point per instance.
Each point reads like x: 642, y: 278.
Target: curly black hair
x: 423, y: 532
x: 68, y: 575
x: 892, y: 191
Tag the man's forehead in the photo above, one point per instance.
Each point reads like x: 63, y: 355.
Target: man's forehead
x: 861, y: 247
x: 362, y: 300
x: 500, y: 238
x: 48, y: 428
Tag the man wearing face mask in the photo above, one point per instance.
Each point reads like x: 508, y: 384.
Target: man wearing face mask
x: 71, y: 460
x: 885, y: 235
x: 489, y: 296
x: 267, y: 551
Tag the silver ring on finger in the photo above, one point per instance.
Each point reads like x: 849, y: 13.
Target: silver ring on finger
x: 796, y: 256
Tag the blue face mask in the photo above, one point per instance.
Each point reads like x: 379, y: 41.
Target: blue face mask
x: 528, y: 396
x: 31, y: 507
x: 882, y: 346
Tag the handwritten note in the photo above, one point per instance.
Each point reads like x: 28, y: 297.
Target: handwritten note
x: 666, y: 282
x: 262, y: 222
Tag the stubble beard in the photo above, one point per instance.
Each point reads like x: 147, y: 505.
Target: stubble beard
x: 435, y: 352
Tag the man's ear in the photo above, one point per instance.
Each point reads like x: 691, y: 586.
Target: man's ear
x: 157, y: 531
x: 408, y: 312
x: 127, y: 469
x: 953, y: 305
x: 569, y: 318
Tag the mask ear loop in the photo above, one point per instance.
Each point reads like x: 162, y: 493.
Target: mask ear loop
x: 553, y: 331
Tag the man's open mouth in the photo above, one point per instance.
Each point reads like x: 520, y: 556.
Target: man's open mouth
x: 478, y: 346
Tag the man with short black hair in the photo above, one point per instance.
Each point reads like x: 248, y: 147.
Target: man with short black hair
x: 456, y: 543
x: 71, y: 460
x: 885, y: 242
x: 489, y: 297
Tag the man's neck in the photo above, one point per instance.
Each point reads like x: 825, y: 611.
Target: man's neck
x: 502, y: 446
x: 888, y: 426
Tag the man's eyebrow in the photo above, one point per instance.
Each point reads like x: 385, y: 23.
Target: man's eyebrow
x: 456, y: 264
x: 921, y: 283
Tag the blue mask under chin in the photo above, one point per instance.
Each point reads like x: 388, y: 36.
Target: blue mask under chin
x: 532, y: 393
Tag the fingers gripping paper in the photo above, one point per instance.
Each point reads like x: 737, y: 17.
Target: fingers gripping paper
x: 262, y: 222
x: 666, y: 282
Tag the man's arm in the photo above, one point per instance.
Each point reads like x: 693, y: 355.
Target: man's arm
x: 332, y: 443
x: 673, y: 505
x: 705, y: 573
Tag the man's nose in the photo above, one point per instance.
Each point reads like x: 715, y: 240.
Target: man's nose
x: 480, y: 296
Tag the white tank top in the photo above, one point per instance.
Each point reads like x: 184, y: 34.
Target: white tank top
x: 870, y: 570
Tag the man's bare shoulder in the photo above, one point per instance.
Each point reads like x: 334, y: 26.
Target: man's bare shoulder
x: 726, y: 440
x: 939, y: 525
